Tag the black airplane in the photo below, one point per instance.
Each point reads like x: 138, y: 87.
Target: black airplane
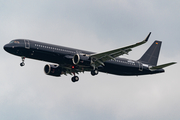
x: 72, y: 61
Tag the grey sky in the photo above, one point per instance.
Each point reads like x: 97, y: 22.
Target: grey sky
x: 96, y: 25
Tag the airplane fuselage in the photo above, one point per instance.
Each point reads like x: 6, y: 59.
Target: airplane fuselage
x: 63, y: 57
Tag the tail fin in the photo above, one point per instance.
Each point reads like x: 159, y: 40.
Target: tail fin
x: 150, y: 57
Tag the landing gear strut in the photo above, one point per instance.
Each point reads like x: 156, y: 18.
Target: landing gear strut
x: 94, y: 72
x: 22, y: 64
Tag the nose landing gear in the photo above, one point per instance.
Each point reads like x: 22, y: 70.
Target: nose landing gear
x: 22, y: 64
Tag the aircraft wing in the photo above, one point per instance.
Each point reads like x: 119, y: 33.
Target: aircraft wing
x: 100, y: 58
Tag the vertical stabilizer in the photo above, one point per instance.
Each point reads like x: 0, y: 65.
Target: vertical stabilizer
x: 150, y: 57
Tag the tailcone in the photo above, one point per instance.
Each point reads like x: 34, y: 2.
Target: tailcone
x: 159, y: 71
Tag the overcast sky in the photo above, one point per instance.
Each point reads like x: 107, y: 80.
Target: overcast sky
x: 26, y: 93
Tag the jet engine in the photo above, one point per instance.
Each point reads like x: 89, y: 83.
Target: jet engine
x: 80, y: 59
x: 53, y: 70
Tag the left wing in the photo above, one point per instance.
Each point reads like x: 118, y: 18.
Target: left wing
x: 100, y: 58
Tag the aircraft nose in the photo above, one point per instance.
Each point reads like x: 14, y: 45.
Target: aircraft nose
x: 7, y: 47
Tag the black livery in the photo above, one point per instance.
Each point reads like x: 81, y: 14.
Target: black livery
x: 72, y: 61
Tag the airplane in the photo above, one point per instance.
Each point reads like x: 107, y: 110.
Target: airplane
x: 73, y: 61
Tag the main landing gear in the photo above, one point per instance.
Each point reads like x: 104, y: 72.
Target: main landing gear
x: 94, y: 72
x: 22, y: 64
x: 75, y: 78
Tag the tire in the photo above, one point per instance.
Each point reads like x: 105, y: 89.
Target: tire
x: 75, y: 79
x: 94, y: 72
x: 22, y: 64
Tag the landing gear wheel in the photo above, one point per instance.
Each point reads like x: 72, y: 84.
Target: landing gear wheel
x: 22, y: 64
x: 94, y: 72
x: 75, y: 79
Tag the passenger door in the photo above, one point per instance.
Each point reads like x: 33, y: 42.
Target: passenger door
x: 140, y: 66
x: 27, y: 44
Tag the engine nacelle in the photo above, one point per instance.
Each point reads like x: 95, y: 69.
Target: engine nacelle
x: 53, y: 70
x: 80, y: 59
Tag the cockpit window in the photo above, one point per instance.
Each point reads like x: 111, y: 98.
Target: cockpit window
x: 17, y: 42
x: 12, y: 42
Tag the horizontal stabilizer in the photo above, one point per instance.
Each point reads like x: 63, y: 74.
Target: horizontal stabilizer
x: 161, y: 66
